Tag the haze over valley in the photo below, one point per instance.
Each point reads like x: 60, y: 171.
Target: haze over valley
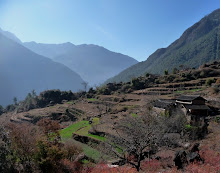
x: 54, y: 66
x: 99, y: 86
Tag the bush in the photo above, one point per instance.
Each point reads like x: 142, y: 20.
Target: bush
x: 215, y: 89
x: 6, y: 163
x: 10, y: 108
x: 147, y: 75
x: 202, y: 74
x: 218, y: 81
x: 125, y: 87
x: 55, y: 96
x: 1, y: 110
x: 211, y: 162
x: 175, y: 71
x: 209, y: 82
x: 166, y: 72
x: 137, y: 83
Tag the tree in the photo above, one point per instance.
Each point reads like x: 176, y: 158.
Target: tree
x: 6, y: 164
x: 33, y: 93
x: 85, y: 84
x: 1, y: 109
x: 175, y: 70
x: 10, y: 108
x: 50, y: 129
x: 209, y: 82
x: 181, y: 66
x: 135, y: 139
x: 15, y: 100
x: 166, y: 72
x: 147, y: 74
x: 23, y: 143
x: 49, y: 153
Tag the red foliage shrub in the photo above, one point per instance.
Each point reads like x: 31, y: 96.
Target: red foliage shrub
x: 50, y: 128
x: 105, y: 168
x: 151, y: 166
x: 211, y: 162
x: 68, y: 166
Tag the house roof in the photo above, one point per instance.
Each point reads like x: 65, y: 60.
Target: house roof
x: 189, y: 97
x: 197, y: 107
x: 163, y: 103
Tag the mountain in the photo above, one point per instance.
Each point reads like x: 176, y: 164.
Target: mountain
x: 198, y: 45
x: 10, y: 36
x: 22, y: 70
x: 93, y: 63
x: 49, y: 50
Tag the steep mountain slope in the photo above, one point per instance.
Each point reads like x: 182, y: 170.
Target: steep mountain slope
x: 22, y: 70
x: 10, y: 36
x: 93, y: 63
x: 198, y: 44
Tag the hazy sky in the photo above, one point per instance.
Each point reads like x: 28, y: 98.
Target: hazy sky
x: 133, y: 27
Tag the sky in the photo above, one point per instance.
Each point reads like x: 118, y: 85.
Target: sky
x: 133, y: 27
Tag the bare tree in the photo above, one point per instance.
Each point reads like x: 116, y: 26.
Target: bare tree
x: 135, y: 139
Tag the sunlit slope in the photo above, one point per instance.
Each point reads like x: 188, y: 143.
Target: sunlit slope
x: 197, y: 45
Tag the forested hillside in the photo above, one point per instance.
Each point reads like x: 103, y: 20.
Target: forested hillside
x: 198, y: 45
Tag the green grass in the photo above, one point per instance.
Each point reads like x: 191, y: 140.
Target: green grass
x: 84, y: 131
x: 95, y: 121
x: 188, y: 126
x: 134, y: 115
x: 101, y: 138
x: 92, y: 99
x: 80, y: 128
x: 67, y: 132
x: 91, y: 152
x: 70, y: 102
x: 84, y: 161
x: 131, y: 106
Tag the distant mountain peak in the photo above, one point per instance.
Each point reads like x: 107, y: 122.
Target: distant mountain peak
x: 94, y: 63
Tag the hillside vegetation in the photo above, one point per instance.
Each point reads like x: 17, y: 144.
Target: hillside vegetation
x: 198, y: 45
x: 71, y: 132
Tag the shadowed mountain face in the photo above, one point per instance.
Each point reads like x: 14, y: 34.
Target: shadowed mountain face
x: 22, y: 70
x: 198, y: 44
x: 93, y: 63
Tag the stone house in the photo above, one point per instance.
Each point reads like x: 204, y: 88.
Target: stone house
x: 192, y: 106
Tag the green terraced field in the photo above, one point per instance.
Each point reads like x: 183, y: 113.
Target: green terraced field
x: 81, y: 128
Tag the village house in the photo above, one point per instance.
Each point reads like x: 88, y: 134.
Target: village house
x: 192, y: 106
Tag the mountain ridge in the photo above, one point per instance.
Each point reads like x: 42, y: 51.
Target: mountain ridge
x: 197, y: 45
x: 93, y: 63
x: 23, y: 71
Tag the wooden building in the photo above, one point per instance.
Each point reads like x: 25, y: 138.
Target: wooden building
x: 192, y: 106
